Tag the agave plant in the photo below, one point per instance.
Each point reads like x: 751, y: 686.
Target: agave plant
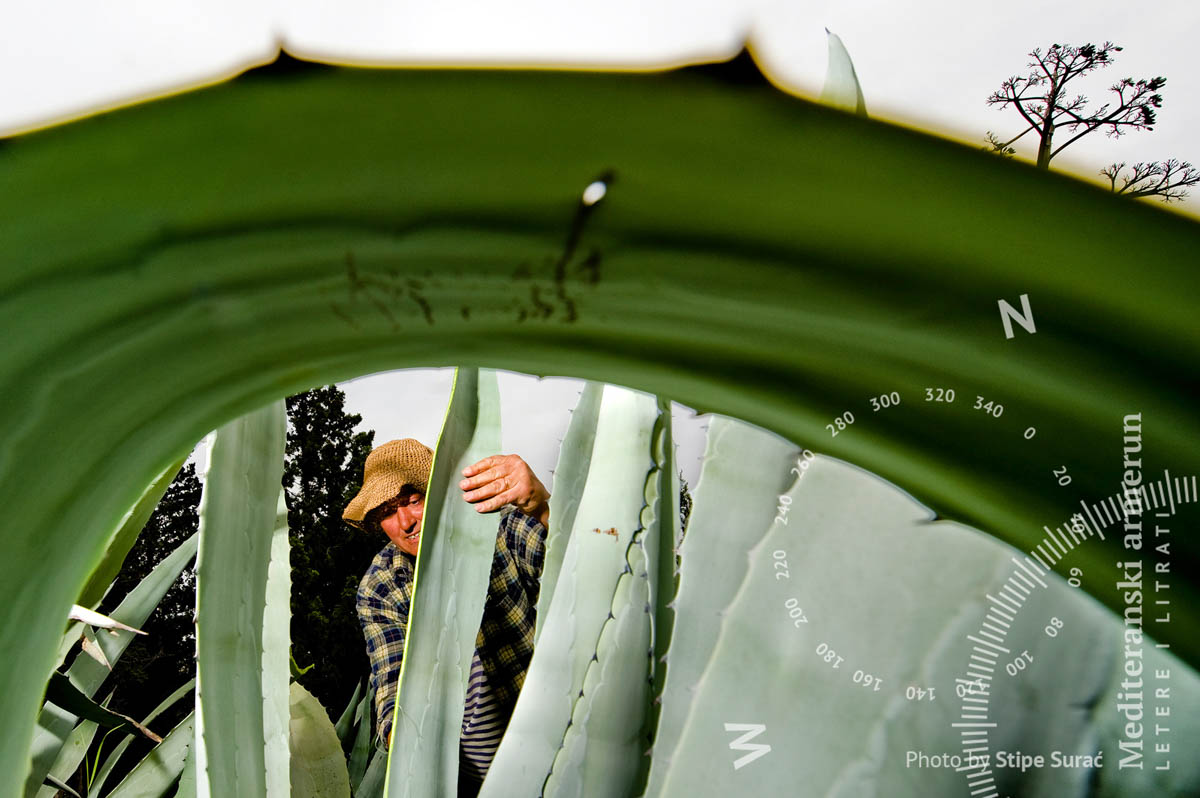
x: 175, y: 266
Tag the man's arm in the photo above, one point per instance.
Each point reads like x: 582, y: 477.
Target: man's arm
x: 506, y: 479
x: 384, y: 621
x: 526, y: 537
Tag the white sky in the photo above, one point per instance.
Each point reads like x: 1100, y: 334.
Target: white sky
x: 929, y: 63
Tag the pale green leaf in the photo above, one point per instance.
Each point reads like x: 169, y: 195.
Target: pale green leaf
x: 236, y: 663
x: 92, y: 618
x: 605, y: 746
x: 276, y: 655
x: 125, y: 536
x: 608, y: 515
x: 455, y: 561
x: 739, y: 461
x: 318, y: 767
x: 864, y: 576
x: 842, y: 89
x: 570, y: 476
x: 186, y: 788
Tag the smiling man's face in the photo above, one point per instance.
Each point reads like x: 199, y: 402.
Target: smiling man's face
x: 403, y: 527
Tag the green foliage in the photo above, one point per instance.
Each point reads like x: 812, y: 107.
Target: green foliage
x: 322, y: 472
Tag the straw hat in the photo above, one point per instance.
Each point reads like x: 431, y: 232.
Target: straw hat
x: 388, y: 469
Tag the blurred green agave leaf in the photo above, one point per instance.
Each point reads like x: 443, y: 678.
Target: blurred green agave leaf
x: 760, y: 257
x: 125, y: 536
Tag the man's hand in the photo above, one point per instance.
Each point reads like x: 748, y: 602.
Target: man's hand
x: 506, y: 479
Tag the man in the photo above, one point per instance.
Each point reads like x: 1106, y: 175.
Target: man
x: 392, y: 500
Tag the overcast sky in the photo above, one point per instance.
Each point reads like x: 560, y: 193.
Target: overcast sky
x: 927, y: 63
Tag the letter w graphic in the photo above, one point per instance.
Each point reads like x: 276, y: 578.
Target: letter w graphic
x: 756, y: 750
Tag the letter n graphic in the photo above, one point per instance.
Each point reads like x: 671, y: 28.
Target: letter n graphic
x: 1008, y: 314
x: 756, y: 750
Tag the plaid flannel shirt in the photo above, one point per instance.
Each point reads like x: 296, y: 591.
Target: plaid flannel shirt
x: 505, y: 639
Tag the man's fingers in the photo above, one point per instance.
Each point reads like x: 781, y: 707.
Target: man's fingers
x: 497, y: 480
x: 495, y: 503
x: 485, y: 463
x: 487, y: 490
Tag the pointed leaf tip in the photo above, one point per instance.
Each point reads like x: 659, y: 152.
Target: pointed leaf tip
x: 842, y: 89
x: 93, y: 618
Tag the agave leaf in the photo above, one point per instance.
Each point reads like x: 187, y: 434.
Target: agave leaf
x: 111, y: 761
x: 88, y: 644
x: 781, y: 283
x: 842, y: 89
x: 71, y: 754
x: 97, y: 620
x: 54, y: 723
x: 159, y: 769
x: 371, y: 785
x: 865, y: 567
x: 362, y: 748
x: 754, y: 465
x: 276, y: 655
x: 604, y: 749
x: 58, y: 784
x: 186, y: 788
x: 241, y: 663
x: 450, y: 587
x: 125, y: 536
x: 661, y: 542
x: 318, y: 767
x: 65, y: 695
x: 609, y: 514
x: 570, y: 476
x: 346, y: 722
